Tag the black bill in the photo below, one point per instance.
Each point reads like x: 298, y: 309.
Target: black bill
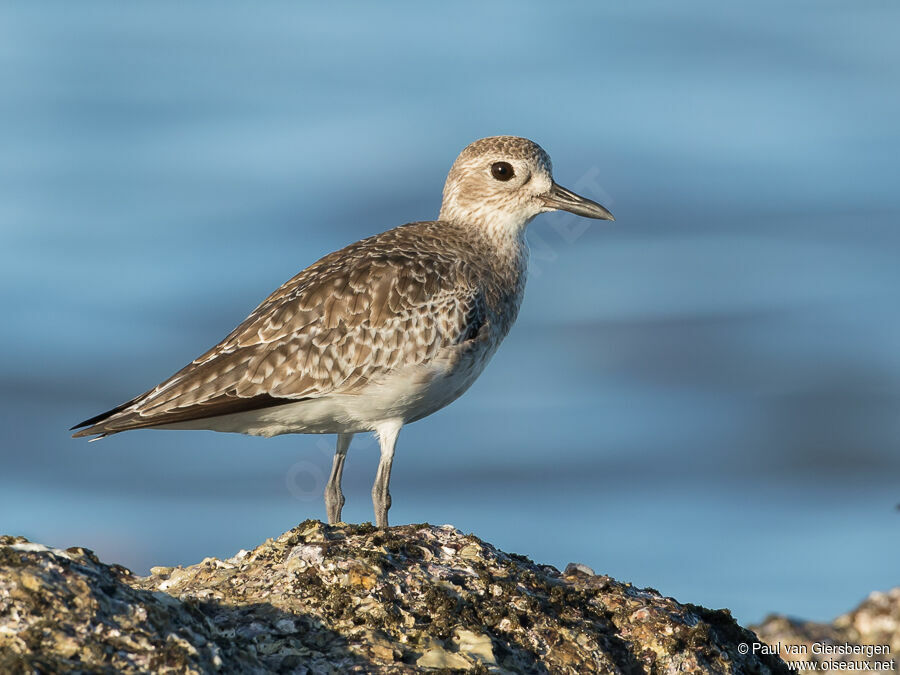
x: 565, y: 200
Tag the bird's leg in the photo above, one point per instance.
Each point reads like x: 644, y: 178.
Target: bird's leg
x: 381, y: 496
x: 334, y: 498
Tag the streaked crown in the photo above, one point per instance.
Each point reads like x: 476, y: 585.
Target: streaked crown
x: 502, y: 182
x: 497, y: 181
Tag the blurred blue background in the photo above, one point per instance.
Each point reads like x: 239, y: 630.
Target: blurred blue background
x: 701, y: 397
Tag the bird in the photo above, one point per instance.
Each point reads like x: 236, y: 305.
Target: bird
x: 379, y: 334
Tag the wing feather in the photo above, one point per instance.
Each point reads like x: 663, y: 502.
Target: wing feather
x: 348, y: 319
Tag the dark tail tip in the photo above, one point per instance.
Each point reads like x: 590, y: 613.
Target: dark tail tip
x: 99, y: 418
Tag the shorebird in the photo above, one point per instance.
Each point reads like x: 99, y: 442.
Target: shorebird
x: 378, y: 334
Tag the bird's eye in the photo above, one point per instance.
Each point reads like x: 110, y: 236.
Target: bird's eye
x: 502, y: 171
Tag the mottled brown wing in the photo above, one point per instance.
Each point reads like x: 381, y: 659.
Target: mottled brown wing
x: 350, y: 318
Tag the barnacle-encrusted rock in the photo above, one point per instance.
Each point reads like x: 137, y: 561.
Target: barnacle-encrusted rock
x: 349, y: 598
x: 870, y: 634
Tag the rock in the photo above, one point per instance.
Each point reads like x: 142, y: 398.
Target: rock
x: 870, y: 634
x: 475, y: 645
x: 578, y: 568
x: 346, y: 598
x: 305, y: 555
x: 64, y: 611
x: 435, y: 656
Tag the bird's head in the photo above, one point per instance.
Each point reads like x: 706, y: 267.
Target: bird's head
x: 502, y: 182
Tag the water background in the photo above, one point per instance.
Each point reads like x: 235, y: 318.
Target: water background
x: 702, y: 397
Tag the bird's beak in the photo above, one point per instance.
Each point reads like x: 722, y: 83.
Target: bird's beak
x: 559, y: 198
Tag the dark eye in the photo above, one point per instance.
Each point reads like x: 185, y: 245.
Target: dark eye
x: 502, y: 171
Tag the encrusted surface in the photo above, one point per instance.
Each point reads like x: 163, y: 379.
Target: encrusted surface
x: 351, y: 599
x: 875, y: 623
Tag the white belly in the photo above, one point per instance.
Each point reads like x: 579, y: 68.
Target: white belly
x: 408, y: 394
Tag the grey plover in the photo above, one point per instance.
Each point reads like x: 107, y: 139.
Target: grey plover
x: 379, y: 334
